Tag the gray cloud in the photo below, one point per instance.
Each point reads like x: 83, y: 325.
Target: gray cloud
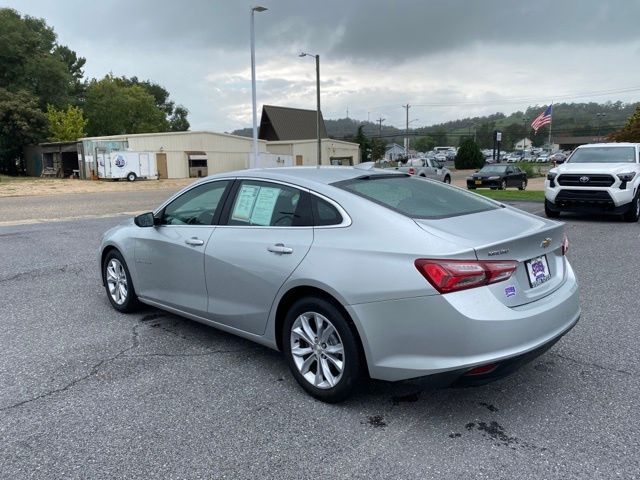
x: 376, y: 55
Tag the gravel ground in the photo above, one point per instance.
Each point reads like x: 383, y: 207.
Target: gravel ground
x: 91, y: 393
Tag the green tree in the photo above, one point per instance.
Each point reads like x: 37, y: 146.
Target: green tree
x: 378, y: 147
x: 28, y: 59
x: 66, y: 125
x: 178, y: 121
x: 631, y: 131
x: 424, y: 144
x: 113, y: 108
x: 365, y: 145
x: 21, y: 123
x: 469, y: 155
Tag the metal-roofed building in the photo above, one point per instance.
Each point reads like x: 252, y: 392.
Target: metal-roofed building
x: 284, y: 123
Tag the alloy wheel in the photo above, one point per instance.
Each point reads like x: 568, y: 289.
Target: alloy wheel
x: 317, y: 350
x: 117, y: 281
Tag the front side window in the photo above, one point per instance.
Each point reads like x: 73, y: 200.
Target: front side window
x: 266, y: 204
x: 197, y: 206
x: 604, y: 155
x: 415, y: 197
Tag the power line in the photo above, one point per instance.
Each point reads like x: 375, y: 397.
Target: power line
x: 511, y: 100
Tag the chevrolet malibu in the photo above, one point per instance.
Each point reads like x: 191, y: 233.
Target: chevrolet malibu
x: 352, y: 272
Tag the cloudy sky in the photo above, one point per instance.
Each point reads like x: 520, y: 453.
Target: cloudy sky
x: 447, y: 58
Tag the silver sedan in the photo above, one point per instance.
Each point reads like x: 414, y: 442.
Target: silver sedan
x: 352, y: 272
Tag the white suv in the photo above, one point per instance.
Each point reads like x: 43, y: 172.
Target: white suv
x: 600, y: 177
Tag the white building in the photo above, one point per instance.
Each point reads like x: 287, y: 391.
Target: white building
x: 393, y: 151
x: 523, y: 144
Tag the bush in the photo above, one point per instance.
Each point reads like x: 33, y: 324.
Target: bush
x: 469, y: 155
x: 531, y: 170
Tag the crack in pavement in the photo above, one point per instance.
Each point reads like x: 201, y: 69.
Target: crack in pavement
x: 594, y: 365
x: 45, y: 271
x: 201, y: 354
x: 135, y: 343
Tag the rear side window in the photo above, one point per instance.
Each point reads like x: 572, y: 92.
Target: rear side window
x: 417, y: 198
x: 324, y: 213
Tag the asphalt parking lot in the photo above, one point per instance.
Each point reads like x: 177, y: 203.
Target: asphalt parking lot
x: 91, y: 393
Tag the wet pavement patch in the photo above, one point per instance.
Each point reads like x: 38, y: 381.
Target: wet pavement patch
x: 488, y: 406
x: 376, y: 421
x: 409, y: 398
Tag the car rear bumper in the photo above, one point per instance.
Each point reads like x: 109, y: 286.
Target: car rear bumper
x: 451, y: 334
x: 484, y: 184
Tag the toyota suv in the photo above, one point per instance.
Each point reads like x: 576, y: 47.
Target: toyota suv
x: 600, y: 177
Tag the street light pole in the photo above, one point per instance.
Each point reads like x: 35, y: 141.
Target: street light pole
x: 317, y: 57
x: 254, y: 160
x: 600, y: 117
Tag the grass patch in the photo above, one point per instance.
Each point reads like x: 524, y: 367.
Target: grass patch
x: 4, y: 179
x: 512, y: 195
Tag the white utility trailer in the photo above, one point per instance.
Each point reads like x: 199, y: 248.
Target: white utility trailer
x: 129, y: 165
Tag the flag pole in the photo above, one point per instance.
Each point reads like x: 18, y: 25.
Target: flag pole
x: 550, y: 123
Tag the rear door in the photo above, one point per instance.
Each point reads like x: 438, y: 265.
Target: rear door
x: 267, y: 232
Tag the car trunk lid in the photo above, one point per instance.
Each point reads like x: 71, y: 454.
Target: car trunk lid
x: 509, y: 234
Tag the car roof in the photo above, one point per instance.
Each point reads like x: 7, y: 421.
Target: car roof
x: 307, y: 176
x: 610, y: 144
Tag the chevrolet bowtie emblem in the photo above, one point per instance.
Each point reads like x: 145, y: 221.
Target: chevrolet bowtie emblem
x: 545, y: 243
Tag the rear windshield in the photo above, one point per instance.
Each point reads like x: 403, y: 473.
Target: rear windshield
x: 416, y: 197
x: 604, y: 155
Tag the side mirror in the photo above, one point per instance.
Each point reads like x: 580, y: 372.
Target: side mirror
x: 145, y: 220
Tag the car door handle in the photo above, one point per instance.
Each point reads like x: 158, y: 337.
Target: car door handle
x: 279, y: 248
x: 194, y: 241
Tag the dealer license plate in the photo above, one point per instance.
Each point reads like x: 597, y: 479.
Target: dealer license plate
x: 478, y: 182
x: 538, y: 270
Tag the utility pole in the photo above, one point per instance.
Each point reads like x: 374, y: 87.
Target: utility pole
x: 380, y: 120
x: 406, y: 132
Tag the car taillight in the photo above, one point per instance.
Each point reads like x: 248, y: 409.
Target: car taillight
x: 565, y: 245
x: 412, y: 171
x: 452, y: 275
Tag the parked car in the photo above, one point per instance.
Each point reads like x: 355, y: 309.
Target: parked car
x: 498, y: 176
x: 513, y: 158
x: 599, y: 177
x: 558, y: 157
x: 352, y: 272
x: 428, y: 168
x: 543, y: 158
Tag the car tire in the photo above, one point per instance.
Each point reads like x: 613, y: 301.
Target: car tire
x: 503, y: 185
x: 131, y: 177
x: 523, y: 185
x: 633, y: 214
x: 549, y: 212
x: 118, y: 284
x: 471, y: 188
x: 315, y: 360
x: 447, y: 179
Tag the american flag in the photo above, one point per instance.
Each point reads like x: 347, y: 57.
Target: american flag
x: 543, y: 119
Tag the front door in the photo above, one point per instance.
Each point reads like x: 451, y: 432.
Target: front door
x: 170, y: 257
x: 266, y: 236
x: 161, y: 161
